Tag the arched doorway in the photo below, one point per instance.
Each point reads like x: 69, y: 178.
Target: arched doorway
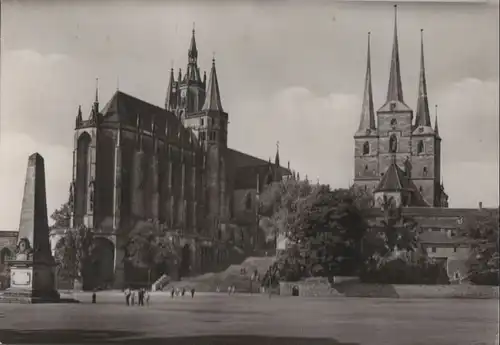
x: 101, y: 275
x: 185, y: 266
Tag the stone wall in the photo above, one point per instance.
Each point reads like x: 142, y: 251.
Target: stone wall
x: 351, y: 287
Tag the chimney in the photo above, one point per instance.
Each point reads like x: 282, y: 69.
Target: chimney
x: 480, y: 205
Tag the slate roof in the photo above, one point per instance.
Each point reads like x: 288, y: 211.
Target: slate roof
x: 124, y: 108
x: 394, y: 179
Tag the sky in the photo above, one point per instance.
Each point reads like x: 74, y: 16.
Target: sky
x: 288, y: 71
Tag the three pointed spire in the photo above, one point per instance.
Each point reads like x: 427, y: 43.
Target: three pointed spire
x: 395, y: 89
x: 212, y: 97
x: 367, y: 120
x: 422, y: 114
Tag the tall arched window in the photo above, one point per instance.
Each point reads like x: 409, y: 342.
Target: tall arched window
x: 248, y: 201
x: 420, y: 147
x: 366, y: 148
x: 393, y: 144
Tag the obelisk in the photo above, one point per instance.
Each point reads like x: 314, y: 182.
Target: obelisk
x: 32, y: 278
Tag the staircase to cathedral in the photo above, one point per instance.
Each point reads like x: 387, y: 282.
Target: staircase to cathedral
x: 232, y: 276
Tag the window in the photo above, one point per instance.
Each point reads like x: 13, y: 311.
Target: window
x: 393, y: 106
x: 366, y: 167
x: 420, y: 147
x: 393, y: 144
x: 366, y: 148
x: 454, y: 249
x: 203, y: 136
x: 433, y: 249
x: 424, y: 172
x: 202, y: 122
x: 248, y: 201
x: 394, y: 123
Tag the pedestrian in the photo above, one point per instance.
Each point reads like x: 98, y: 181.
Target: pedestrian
x: 127, y: 296
x: 147, y: 297
x: 93, y: 297
x: 140, y: 295
x: 183, y: 291
x: 229, y: 290
x: 132, y: 298
x: 192, y: 293
x: 233, y: 289
x: 172, y: 292
x: 217, y: 289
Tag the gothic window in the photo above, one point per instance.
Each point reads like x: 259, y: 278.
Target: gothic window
x: 366, y: 167
x: 394, y: 123
x: 424, y: 172
x: 202, y: 122
x: 248, y: 201
x: 420, y: 147
x: 366, y: 148
x: 393, y: 144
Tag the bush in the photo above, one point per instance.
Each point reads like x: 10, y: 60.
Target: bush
x: 400, y: 271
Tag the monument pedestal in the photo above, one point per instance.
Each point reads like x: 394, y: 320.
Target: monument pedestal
x: 30, y: 283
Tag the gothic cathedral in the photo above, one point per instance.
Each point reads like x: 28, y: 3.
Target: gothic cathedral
x: 396, y: 155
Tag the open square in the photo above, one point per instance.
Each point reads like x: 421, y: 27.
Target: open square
x: 216, y: 319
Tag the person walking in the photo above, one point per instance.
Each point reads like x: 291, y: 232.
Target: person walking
x: 192, y: 293
x: 183, y: 291
x: 147, y: 297
x: 140, y: 295
x: 172, y: 292
x: 127, y: 296
x: 132, y: 298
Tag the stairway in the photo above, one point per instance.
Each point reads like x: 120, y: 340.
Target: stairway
x: 231, y: 276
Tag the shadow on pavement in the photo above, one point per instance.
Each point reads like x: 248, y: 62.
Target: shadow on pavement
x: 10, y: 336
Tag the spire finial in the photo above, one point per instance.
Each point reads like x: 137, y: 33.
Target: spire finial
x: 117, y: 83
x: 213, y: 57
x: 194, y: 27
x: 277, y: 145
x: 96, y: 90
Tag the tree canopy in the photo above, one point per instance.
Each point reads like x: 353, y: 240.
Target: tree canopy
x: 61, y: 217
x: 73, y: 252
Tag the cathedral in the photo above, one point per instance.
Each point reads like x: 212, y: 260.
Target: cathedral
x: 134, y: 161
x: 398, y: 155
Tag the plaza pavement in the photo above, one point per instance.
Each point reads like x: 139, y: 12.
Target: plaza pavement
x: 219, y: 319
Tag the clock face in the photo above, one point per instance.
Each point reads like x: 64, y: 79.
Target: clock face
x: 183, y: 93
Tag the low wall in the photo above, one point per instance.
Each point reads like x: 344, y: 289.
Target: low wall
x: 320, y: 287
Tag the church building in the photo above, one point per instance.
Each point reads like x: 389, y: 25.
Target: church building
x: 134, y: 161
x: 398, y: 154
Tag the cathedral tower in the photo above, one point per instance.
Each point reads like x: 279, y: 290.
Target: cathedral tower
x: 366, y: 137
x: 426, y: 145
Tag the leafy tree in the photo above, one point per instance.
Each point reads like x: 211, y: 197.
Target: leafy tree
x: 483, y: 232
x: 327, y: 232
x: 148, y: 245
x: 279, y: 204
x: 73, y: 253
x: 61, y: 216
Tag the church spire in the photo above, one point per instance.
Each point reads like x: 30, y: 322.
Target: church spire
x: 422, y: 115
x: 277, y: 157
x: 395, y: 89
x: 367, y: 113
x: 193, y: 51
x: 436, y: 128
x: 170, y: 92
x: 212, y: 98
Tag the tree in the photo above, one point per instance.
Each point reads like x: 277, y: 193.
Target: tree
x: 483, y: 232
x: 279, y: 203
x: 73, y: 253
x: 327, y: 232
x: 148, y: 245
x: 62, y: 216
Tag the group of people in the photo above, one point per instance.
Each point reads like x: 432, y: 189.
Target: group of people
x: 180, y: 292
x: 142, y: 296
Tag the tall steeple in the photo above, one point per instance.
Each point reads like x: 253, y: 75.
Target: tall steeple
x: 170, y: 97
x: 96, y: 101
x: 395, y: 89
x: 212, y: 98
x: 193, y: 51
x: 277, y: 157
x: 436, y: 128
x: 422, y: 114
x: 367, y: 120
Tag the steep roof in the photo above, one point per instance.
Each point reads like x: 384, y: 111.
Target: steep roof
x: 394, y: 179
x: 124, y: 108
x: 367, y: 119
x: 212, y: 98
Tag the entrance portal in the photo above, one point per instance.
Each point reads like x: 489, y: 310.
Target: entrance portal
x: 103, y: 260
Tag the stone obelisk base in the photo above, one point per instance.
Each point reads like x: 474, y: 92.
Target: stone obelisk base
x: 30, y: 283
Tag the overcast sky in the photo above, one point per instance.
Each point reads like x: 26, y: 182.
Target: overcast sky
x: 287, y: 72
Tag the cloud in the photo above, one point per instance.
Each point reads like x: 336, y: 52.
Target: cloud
x: 15, y: 149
